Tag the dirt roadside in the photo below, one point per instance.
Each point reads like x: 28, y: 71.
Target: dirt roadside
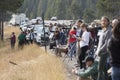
x: 68, y: 64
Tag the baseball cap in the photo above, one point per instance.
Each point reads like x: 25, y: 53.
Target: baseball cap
x: 89, y: 58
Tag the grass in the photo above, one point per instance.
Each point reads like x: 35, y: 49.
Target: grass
x: 7, y: 33
x: 31, y: 63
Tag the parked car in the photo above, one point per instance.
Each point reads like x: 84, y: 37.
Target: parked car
x: 39, y: 34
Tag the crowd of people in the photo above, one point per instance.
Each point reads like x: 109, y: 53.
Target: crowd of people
x: 24, y: 38
x: 95, y: 54
x: 106, y: 55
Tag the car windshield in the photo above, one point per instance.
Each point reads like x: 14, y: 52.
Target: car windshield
x: 40, y: 29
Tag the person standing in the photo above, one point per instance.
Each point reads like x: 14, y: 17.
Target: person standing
x: 31, y: 36
x: 21, y: 39
x: 27, y: 37
x: 57, y: 37
x: 72, y: 42
x: 13, y: 40
x: 84, y: 43
x: 101, y: 51
x: 62, y: 37
x: 114, y: 50
x: 78, y: 34
x: 79, y: 31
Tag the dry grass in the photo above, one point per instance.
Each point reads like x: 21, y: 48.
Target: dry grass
x: 31, y: 63
x: 7, y: 32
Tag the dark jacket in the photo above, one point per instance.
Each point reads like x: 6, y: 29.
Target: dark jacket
x: 114, y: 50
x: 57, y: 35
x: 21, y: 37
x: 13, y: 39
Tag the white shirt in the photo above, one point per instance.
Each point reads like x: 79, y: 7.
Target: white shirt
x: 28, y: 36
x: 78, y: 32
x: 85, y: 39
x: 53, y: 28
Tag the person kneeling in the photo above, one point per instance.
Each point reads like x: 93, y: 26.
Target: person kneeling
x: 91, y: 71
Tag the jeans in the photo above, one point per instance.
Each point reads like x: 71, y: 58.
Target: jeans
x: 115, y: 73
x: 72, y: 49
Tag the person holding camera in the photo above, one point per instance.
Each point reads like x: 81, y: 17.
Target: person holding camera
x: 90, y: 73
x: 72, y: 42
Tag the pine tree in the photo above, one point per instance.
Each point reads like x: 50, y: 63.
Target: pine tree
x: 7, y: 5
x: 110, y: 8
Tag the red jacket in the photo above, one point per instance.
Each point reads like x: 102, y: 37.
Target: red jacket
x: 71, y: 37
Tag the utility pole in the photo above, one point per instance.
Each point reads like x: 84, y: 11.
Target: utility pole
x: 43, y: 14
x: 44, y: 31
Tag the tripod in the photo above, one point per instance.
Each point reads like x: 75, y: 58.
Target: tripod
x: 71, y: 51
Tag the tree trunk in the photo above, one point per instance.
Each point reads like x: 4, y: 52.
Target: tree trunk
x: 2, y: 25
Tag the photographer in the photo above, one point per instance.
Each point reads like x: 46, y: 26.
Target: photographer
x: 72, y: 42
x: 90, y: 73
